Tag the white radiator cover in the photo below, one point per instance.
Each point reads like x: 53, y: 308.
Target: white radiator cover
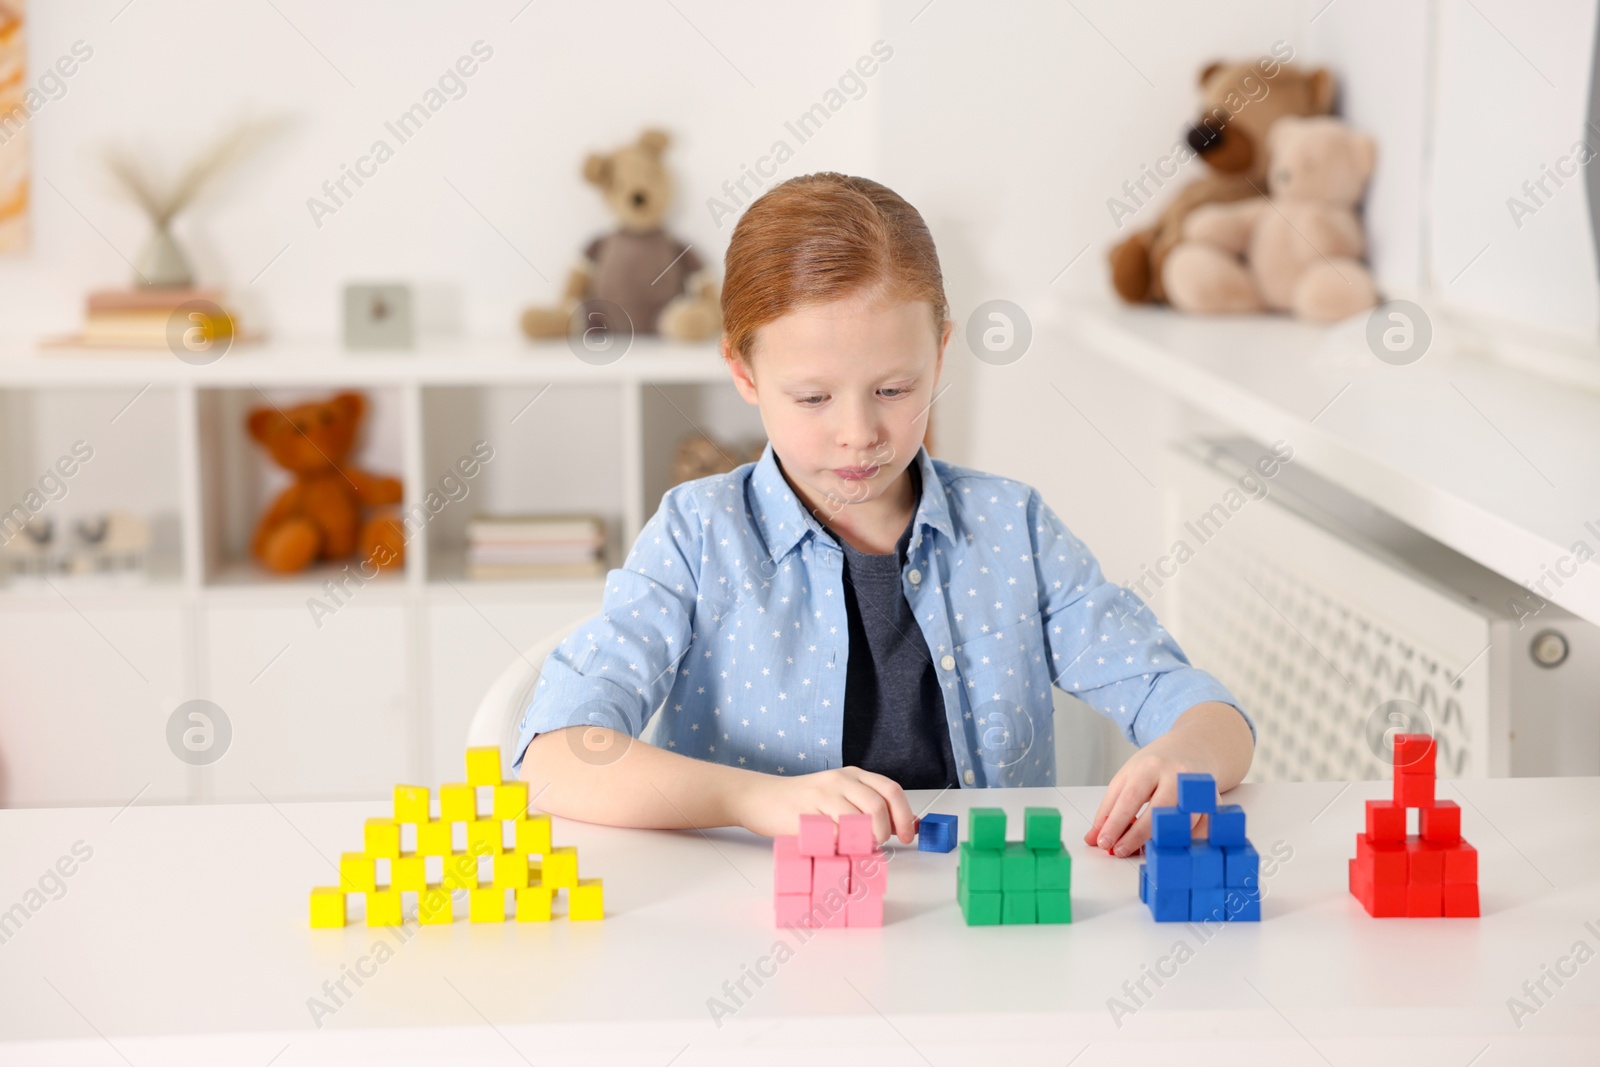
x: 1337, y: 626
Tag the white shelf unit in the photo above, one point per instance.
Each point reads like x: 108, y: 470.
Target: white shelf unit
x: 379, y: 691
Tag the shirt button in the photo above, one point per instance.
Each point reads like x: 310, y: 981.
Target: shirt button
x: 948, y: 663
x: 915, y: 576
x: 967, y: 777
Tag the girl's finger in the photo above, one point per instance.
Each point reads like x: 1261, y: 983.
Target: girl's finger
x: 1113, y: 789
x: 1133, y: 796
x: 1165, y: 795
x: 901, y: 817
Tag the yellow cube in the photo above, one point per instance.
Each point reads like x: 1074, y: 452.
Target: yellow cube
x: 410, y: 803
x: 383, y: 907
x: 485, y: 837
x: 327, y: 907
x: 533, y: 904
x: 458, y: 803
x: 511, y: 800
x: 408, y: 874
x: 460, y: 871
x: 533, y: 835
x: 383, y: 839
x: 357, y: 873
x: 584, y: 901
x: 487, y: 906
x: 560, y: 868
x: 433, y: 839
x: 435, y: 906
x: 483, y: 765
x: 510, y: 871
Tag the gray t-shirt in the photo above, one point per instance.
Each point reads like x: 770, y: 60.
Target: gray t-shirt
x: 894, y: 719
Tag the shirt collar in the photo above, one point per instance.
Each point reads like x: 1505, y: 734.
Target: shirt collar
x: 785, y: 521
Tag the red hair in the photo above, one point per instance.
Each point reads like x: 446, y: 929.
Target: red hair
x: 822, y: 237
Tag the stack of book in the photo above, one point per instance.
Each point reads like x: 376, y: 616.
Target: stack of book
x: 501, y: 547
x: 150, y: 318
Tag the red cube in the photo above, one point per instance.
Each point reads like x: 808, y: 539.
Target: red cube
x: 1424, y: 900
x: 1386, y: 821
x: 1424, y: 862
x: 793, y: 909
x: 1414, y: 754
x: 1414, y: 790
x: 1441, y: 823
x: 1461, y: 865
x: 855, y: 834
x: 1381, y: 863
x: 1388, y: 901
x: 868, y: 911
x: 1461, y: 901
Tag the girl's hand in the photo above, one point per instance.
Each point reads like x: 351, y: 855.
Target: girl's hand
x: 771, y: 805
x: 1150, y: 776
x: 1210, y: 738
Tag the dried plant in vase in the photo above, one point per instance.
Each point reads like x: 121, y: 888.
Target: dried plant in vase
x: 162, y: 263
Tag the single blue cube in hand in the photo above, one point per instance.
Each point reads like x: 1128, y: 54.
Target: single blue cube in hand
x: 1227, y: 826
x: 936, y: 833
x: 1169, y: 827
x: 1197, y: 793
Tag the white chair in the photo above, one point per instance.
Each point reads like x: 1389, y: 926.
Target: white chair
x: 495, y: 722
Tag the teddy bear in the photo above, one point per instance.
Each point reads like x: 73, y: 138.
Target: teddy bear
x: 1301, y: 251
x: 1240, y: 103
x: 320, y: 516
x: 657, y: 281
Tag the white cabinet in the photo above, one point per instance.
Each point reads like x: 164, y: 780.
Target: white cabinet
x: 88, y: 688
x: 382, y: 692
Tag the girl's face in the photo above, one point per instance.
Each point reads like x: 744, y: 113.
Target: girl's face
x: 842, y: 385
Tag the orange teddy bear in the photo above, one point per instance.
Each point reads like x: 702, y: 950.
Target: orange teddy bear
x: 320, y: 515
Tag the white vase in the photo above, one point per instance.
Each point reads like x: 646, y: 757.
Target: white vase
x: 162, y: 262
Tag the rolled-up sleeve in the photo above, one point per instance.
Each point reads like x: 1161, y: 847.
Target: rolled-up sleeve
x: 616, y: 668
x: 1106, y: 646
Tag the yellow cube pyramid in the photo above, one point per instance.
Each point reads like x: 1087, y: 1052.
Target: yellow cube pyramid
x: 533, y: 869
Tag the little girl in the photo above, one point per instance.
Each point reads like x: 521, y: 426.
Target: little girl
x: 847, y: 617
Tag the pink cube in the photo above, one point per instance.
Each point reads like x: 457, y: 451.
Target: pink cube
x: 868, y: 911
x: 830, y: 910
x: 855, y: 835
x: 793, y: 909
x: 871, y: 870
x: 830, y: 873
x: 791, y: 872
x: 818, y: 836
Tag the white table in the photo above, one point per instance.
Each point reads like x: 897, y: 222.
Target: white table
x: 184, y: 938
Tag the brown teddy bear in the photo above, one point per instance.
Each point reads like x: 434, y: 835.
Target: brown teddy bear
x: 320, y: 515
x: 657, y: 280
x: 1239, y: 103
x: 1302, y: 250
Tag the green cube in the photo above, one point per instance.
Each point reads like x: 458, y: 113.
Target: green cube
x: 1041, y: 827
x: 986, y: 828
x: 978, y: 907
x: 1018, y: 909
x: 979, y: 868
x: 1055, y: 906
x: 1017, y: 867
x: 1053, y: 869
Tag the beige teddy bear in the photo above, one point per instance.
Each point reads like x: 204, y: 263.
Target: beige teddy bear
x: 656, y: 280
x: 1301, y: 250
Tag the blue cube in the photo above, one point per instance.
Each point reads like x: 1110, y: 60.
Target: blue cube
x: 1169, y: 827
x: 1244, y: 903
x: 1144, y: 886
x: 1241, y: 865
x: 1206, y: 866
x: 936, y: 833
x: 1227, y: 825
x: 1208, y: 904
x: 1197, y: 793
x: 1169, y: 867
x: 1169, y: 905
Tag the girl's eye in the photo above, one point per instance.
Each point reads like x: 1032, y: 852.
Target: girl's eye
x: 895, y: 392
x: 806, y: 401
